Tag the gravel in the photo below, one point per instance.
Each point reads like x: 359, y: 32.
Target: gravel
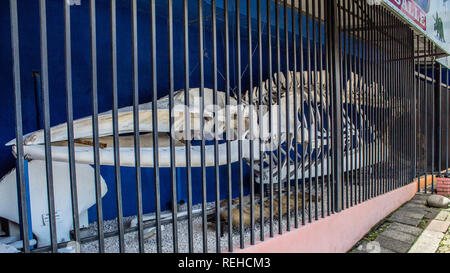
x: 131, y: 239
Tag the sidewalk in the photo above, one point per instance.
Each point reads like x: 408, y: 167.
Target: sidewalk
x: 413, y: 228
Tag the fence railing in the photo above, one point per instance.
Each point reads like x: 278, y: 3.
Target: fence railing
x: 286, y: 112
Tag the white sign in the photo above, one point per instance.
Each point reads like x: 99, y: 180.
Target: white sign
x: 431, y: 17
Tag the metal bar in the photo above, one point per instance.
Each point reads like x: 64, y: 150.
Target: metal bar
x: 346, y: 91
x: 252, y: 160
x: 425, y: 116
x: 228, y: 122
x: 260, y: 117
x: 330, y: 158
x: 432, y: 117
x: 280, y: 188
x: 417, y: 111
x: 115, y: 102
x: 366, y: 110
x: 447, y: 115
x: 354, y: 104
x: 302, y: 134
x: 69, y: 114
x: 137, y: 142
x: 20, y: 164
x: 349, y: 111
x: 361, y: 117
x: 216, y: 149
x: 202, y: 125
x: 240, y: 129
x: 322, y: 117
x: 295, y: 104
x: 309, y: 81
x: 341, y: 91
x: 269, y: 56
x: 187, y: 120
x: 288, y: 120
x: 173, y: 177
x: 386, y: 81
x: 46, y: 117
x: 155, y: 124
x: 316, y: 204
x: 332, y: 8
x: 370, y: 105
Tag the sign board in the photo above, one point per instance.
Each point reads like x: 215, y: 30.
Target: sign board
x: 431, y: 17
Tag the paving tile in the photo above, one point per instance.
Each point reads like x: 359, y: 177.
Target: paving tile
x: 405, y: 220
x: 428, y: 242
x: 418, y: 202
x: 442, y: 216
x: 417, y: 206
x: 371, y: 247
x: 438, y: 226
x: 431, y: 214
x: 405, y: 228
x: 420, y: 197
x: 392, y: 244
x: 399, y: 235
x: 410, y: 214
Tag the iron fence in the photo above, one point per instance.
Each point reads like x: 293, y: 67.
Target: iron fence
x: 319, y: 112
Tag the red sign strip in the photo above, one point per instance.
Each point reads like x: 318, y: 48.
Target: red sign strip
x: 413, y: 11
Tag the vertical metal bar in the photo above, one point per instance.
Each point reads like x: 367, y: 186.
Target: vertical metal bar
x: 432, y: 115
x: 415, y: 108
x: 280, y: 187
x: 322, y: 103
x: 187, y: 121
x: 155, y: 125
x: 447, y: 115
x: 260, y: 117
x: 332, y: 8
x: 433, y: 82
x: 345, y: 90
x: 302, y: 105
x: 69, y: 113
x: 216, y: 149
x: 371, y: 101
x: 216, y: 121
x: 315, y: 149
x: 173, y: 177
x: 309, y: 80
x: 354, y: 104
x: 328, y: 57
x: 269, y: 56
x: 366, y: 103
x: 295, y: 111
x: 360, y: 109
x: 137, y: 141
x: 240, y: 129
x: 288, y: 118
x: 115, y: 102
x: 426, y: 51
x: 227, y: 123
x: 46, y: 117
x: 20, y: 164
x: 252, y: 160
x: 202, y: 125
x: 385, y: 104
x: 341, y: 89
x: 349, y: 70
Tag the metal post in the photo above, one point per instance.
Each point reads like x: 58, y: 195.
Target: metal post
x: 333, y: 35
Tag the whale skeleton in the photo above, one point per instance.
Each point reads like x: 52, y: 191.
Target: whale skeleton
x: 245, y: 110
